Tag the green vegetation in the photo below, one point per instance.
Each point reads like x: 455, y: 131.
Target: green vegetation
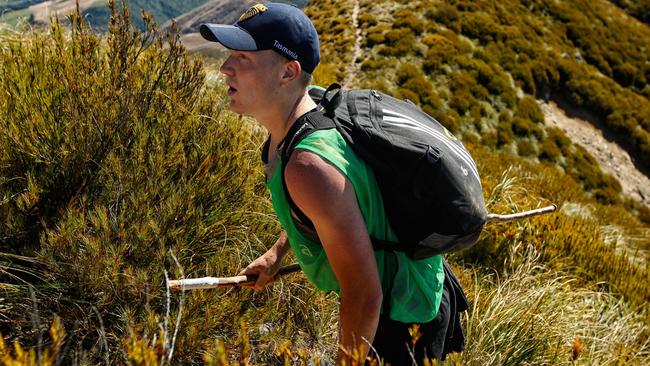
x: 335, y: 16
x: 120, y: 165
x: 637, y: 8
x: 116, y: 157
x: 478, y: 57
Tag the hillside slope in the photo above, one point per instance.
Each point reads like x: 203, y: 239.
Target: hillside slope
x: 470, y: 64
x: 479, y: 68
x: 132, y: 170
x: 213, y: 11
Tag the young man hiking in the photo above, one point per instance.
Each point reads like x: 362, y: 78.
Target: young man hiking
x: 273, y: 51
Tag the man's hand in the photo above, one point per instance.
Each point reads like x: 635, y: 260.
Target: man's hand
x: 267, y: 265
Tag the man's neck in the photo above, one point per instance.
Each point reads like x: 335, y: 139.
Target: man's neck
x: 279, y: 126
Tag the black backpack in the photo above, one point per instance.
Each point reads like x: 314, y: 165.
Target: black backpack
x: 428, y: 181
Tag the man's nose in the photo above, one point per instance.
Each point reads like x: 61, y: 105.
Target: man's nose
x: 226, y: 67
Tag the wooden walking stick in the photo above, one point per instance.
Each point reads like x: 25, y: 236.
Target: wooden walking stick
x: 520, y: 215
x: 214, y: 282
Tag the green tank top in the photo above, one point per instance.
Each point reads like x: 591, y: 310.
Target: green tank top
x: 412, y: 287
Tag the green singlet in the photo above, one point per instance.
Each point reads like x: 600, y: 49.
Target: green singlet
x: 412, y: 287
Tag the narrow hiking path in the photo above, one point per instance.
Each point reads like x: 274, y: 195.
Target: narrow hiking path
x: 353, y: 67
x: 612, y: 159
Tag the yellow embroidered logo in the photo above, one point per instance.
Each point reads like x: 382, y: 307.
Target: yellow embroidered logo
x: 259, y: 8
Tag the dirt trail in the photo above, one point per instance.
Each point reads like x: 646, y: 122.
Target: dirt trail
x: 353, y: 67
x: 612, y: 158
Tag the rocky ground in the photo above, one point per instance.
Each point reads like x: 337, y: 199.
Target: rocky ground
x: 613, y: 159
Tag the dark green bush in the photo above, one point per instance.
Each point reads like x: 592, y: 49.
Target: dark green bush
x: 526, y: 148
x: 529, y: 109
x: 522, y: 72
x: 116, y: 156
x: 625, y: 74
x: 367, y: 20
x: 449, y: 118
x: 446, y: 14
x: 376, y: 35
x: 489, y: 138
x: 523, y: 127
x: 559, y: 138
x: 398, y: 42
x: 544, y: 73
x: 549, y: 150
x: 407, y: 71
x: 480, y: 26
x: 462, y: 101
x: 504, y: 135
x: 407, y: 94
x: 406, y: 19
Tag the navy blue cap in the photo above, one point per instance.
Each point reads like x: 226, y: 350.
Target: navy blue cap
x: 270, y: 26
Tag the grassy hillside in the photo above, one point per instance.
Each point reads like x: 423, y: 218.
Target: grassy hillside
x: 478, y: 55
x: 132, y: 170
x: 478, y: 67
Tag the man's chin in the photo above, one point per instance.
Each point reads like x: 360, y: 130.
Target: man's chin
x: 235, y: 107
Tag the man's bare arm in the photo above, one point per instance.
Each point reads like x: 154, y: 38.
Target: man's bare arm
x: 325, y: 195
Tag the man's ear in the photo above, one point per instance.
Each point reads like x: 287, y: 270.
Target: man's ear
x: 291, y: 71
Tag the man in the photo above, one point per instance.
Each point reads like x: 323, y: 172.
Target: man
x: 273, y: 52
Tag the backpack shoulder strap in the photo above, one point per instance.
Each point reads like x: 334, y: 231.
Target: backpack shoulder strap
x: 300, y: 129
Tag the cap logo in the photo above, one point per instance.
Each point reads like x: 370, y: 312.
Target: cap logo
x: 253, y: 11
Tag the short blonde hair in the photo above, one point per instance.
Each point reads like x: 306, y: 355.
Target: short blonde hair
x: 305, y: 77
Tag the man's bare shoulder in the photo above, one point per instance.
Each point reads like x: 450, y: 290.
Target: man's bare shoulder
x: 312, y: 181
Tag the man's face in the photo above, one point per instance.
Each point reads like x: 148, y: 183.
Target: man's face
x: 252, y: 79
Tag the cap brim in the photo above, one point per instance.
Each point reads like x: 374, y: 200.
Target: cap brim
x: 230, y: 36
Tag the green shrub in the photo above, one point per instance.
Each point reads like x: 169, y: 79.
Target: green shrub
x: 559, y: 138
x: 476, y: 112
x: 129, y: 158
x: 407, y: 94
x: 489, y: 138
x: 376, y: 35
x: 462, y: 101
x: 544, y: 73
x: 522, y: 72
x: 367, y: 20
x: 446, y: 14
x: 479, y: 26
x: 441, y: 50
x: 419, y: 85
x: 625, y: 74
x: 523, y: 127
x: 526, y: 148
x: 398, y: 42
x: 549, y: 150
x: 406, y: 19
x: 449, y: 118
x: 407, y: 71
x: 529, y: 109
x: 504, y: 135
